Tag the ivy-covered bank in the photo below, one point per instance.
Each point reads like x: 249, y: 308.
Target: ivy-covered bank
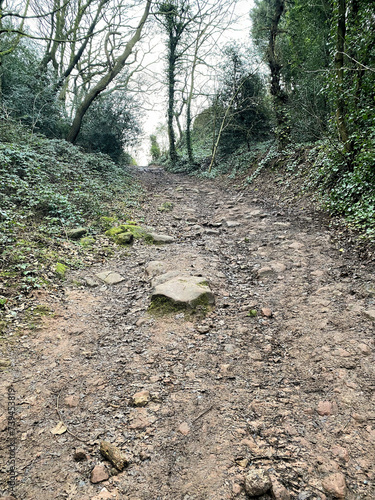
x: 315, y: 169
x: 48, y: 188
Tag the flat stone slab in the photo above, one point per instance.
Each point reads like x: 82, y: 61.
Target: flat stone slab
x: 183, y: 291
x: 110, y: 277
x: 160, y: 238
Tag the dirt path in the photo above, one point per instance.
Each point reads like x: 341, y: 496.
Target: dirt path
x: 290, y: 391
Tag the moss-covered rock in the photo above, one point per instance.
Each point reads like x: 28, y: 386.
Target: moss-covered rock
x: 190, y: 293
x: 61, y: 269
x: 124, y: 238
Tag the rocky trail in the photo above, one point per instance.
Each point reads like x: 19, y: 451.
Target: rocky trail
x: 270, y: 395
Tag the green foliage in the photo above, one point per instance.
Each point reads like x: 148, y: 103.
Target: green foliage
x: 155, y: 148
x: 111, y: 125
x: 55, y: 182
x: 28, y: 95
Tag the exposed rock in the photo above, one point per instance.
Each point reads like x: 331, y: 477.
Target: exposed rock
x: 279, y: 491
x: 80, y: 455
x: 4, y: 363
x: 232, y: 223
x: 266, y: 312
x: 365, y: 349
x: 117, y: 458
x: 182, y: 292
x: 184, y: 428
x: 99, y: 474
x: 335, y: 485
x: 159, y: 239
x: 341, y: 453
x: 370, y: 314
x: 110, y: 277
x: 326, y: 408
x: 77, y: 233
x: 296, y: 245
x: 162, y: 278
x: 278, y: 267
x: 257, y: 482
x: 141, y: 398
x: 91, y: 282
x: 71, y: 401
x: 265, y: 271
x: 155, y: 267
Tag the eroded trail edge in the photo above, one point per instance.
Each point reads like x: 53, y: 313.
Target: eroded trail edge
x: 278, y: 377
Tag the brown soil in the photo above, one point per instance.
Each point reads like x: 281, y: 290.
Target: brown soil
x: 290, y: 391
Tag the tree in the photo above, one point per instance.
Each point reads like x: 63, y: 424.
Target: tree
x: 267, y: 20
x: 112, y: 71
x: 111, y: 124
x: 175, y: 17
x: 155, y: 148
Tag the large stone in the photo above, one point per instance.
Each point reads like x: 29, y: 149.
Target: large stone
x: 110, y: 277
x: 159, y: 239
x: 182, y: 292
x: 370, y: 314
x: 257, y: 482
x: 99, y: 474
x: 335, y: 485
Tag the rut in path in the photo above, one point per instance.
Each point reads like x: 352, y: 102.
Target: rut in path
x: 289, y: 391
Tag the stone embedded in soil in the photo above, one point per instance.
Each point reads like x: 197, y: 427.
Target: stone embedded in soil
x: 117, y: 458
x: 365, y: 349
x: 326, y: 408
x: 183, y: 291
x: 265, y: 271
x: 110, y: 277
x: 335, y: 485
x: 4, y: 363
x: 184, y: 428
x: 340, y: 452
x: 278, y: 267
x: 91, y: 282
x: 141, y: 398
x: 160, y: 238
x: 279, y: 491
x: 71, y: 401
x: 80, y: 455
x: 266, y: 312
x: 155, y: 267
x: 257, y: 482
x: 370, y: 314
x: 99, y: 474
x: 232, y: 223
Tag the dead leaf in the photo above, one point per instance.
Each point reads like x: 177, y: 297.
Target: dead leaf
x: 59, y: 429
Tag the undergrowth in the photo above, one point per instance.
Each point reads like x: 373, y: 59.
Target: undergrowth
x: 48, y: 187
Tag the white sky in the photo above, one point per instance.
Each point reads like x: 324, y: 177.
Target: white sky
x: 156, y: 114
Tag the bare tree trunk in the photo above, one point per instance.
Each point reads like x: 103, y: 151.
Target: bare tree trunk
x: 106, y: 79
